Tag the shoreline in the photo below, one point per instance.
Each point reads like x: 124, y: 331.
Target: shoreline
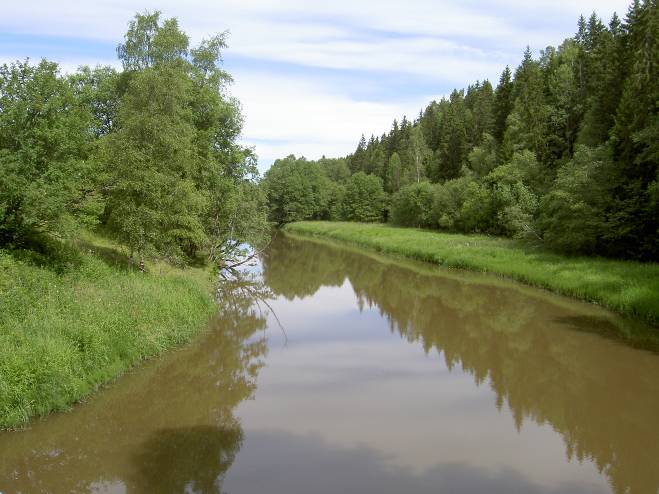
x: 627, y: 288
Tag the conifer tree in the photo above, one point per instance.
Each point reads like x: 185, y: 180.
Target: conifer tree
x: 526, y: 125
x: 503, y: 104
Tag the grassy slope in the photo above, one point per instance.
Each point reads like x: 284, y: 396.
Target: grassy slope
x: 626, y: 287
x: 70, y: 325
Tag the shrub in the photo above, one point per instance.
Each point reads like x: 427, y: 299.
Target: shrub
x: 363, y: 199
x: 573, y: 213
x: 413, y: 205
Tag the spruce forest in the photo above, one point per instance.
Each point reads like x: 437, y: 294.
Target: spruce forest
x: 563, y: 152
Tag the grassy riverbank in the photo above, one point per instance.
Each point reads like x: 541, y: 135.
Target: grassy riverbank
x: 78, y: 316
x: 627, y: 287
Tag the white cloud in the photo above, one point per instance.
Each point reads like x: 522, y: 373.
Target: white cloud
x: 107, y: 19
x: 428, y: 42
x: 302, y: 118
x: 421, y: 56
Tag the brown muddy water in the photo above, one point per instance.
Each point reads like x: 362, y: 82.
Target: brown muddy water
x: 388, y: 377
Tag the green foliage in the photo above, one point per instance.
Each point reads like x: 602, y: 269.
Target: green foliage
x: 474, y: 199
x: 154, y: 205
x: 502, y: 203
x: 46, y: 174
x: 420, y: 153
x: 98, y: 90
x: 573, y: 213
x: 150, y: 152
x: 461, y: 205
x: 522, y: 167
x: 453, y: 145
x: 237, y: 215
x: 413, y: 205
x: 358, y: 161
x: 296, y: 190
x: 336, y: 169
x: 526, y: 124
x: 448, y: 199
x: 394, y: 170
x: 481, y: 112
x: 563, y: 103
x: 634, y: 223
x: 484, y: 158
x: 149, y: 42
x: 177, y: 183
x: 515, y: 207
x: 503, y: 103
x: 336, y: 193
x: 363, y: 198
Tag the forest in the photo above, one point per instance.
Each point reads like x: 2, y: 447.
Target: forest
x: 563, y: 153
x: 149, y: 153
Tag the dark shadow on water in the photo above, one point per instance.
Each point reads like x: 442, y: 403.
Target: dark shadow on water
x: 191, y: 460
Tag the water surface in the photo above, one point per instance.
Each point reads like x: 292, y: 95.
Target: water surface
x: 386, y: 377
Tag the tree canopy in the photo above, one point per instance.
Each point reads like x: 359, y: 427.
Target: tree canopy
x: 149, y: 152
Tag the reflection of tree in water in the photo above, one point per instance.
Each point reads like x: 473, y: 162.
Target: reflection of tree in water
x: 601, y: 396
x: 244, y: 290
x: 195, y: 459
x: 293, y: 269
x: 190, y: 460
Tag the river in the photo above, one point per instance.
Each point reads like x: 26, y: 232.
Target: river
x: 353, y: 373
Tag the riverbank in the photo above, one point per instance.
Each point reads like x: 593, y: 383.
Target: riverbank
x: 79, y: 315
x: 627, y: 287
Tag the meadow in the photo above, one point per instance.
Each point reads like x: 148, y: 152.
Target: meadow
x: 74, y: 316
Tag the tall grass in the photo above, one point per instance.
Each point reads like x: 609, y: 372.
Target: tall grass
x: 76, y: 317
x: 627, y: 287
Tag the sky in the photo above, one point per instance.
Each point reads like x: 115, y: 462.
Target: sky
x: 313, y: 76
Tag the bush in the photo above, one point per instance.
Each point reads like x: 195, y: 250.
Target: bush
x: 363, y: 199
x: 413, y: 205
x: 475, y: 212
x: 46, y: 178
x: 462, y: 205
x: 573, y: 213
x: 513, y: 204
x: 483, y: 159
x: 502, y: 204
x: 297, y: 190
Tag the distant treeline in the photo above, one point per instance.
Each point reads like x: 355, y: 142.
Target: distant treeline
x: 149, y: 151
x: 564, y: 152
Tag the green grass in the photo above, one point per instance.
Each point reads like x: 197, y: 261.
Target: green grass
x: 78, y: 316
x: 627, y: 287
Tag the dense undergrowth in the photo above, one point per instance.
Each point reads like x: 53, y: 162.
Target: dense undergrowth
x: 75, y: 316
x: 627, y: 287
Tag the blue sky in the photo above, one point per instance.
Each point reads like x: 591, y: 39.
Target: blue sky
x: 313, y: 76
